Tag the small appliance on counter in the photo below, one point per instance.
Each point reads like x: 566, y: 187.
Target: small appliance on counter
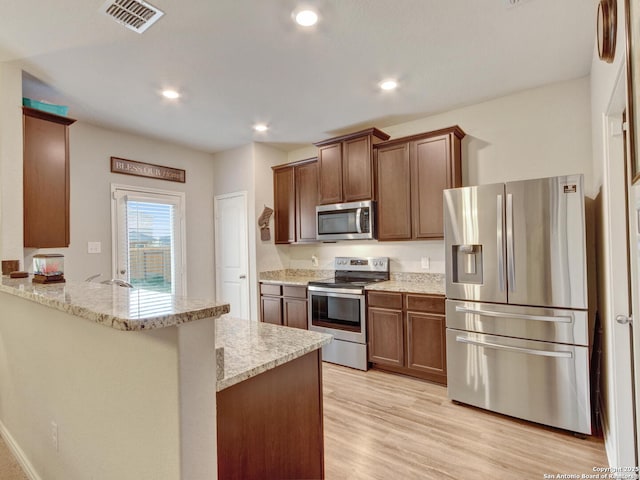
x: 48, y: 268
x: 337, y: 306
x: 517, y: 310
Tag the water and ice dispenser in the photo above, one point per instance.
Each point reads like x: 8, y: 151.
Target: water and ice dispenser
x: 467, y: 263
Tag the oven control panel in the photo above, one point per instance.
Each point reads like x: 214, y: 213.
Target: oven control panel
x: 362, y: 264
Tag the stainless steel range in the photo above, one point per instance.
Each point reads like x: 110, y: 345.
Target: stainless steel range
x: 337, y: 306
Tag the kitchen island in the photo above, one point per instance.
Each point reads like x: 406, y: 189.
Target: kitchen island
x: 100, y: 381
x: 269, y: 401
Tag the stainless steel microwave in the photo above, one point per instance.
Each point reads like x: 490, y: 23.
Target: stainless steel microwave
x: 346, y: 221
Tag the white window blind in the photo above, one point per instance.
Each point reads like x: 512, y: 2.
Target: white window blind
x: 150, y: 245
x: 149, y: 240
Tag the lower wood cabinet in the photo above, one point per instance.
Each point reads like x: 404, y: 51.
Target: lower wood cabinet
x: 407, y: 334
x: 284, y: 305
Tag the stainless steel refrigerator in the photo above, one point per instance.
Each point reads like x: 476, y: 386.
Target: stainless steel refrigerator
x: 517, y: 312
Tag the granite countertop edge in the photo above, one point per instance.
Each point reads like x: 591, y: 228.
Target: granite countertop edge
x: 251, y: 348
x: 49, y: 296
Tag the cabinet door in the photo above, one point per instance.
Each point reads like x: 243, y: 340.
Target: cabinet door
x: 386, y: 338
x: 284, y: 205
x: 426, y: 342
x: 394, y: 192
x: 306, y: 201
x: 430, y: 175
x: 271, y: 310
x: 46, y: 183
x: 357, y: 169
x: 295, y: 313
x: 330, y: 174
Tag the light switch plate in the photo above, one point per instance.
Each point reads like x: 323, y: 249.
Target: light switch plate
x: 424, y: 263
x: 94, y: 247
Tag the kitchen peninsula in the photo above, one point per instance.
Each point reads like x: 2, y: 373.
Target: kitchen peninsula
x: 102, y: 382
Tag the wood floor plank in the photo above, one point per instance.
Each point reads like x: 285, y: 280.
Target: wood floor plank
x: 383, y: 426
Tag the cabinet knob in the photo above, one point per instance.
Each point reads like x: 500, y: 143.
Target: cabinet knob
x: 243, y: 276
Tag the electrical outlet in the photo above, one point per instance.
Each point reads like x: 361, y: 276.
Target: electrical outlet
x: 425, y: 263
x: 94, y: 247
x: 314, y: 260
x: 54, y: 435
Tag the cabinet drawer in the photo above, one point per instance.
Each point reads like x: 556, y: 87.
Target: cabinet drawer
x: 385, y: 300
x: 267, y: 289
x: 295, y: 292
x: 425, y: 303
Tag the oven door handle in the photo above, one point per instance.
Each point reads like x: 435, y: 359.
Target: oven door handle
x: 335, y: 292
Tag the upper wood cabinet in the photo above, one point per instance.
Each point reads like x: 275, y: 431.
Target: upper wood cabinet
x: 46, y: 179
x: 412, y: 172
x: 345, y: 167
x: 295, y: 190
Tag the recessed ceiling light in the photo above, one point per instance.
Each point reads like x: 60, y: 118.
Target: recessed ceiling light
x: 170, y: 94
x: 389, y: 85
x: 260, y: 127
x: 306, y: 18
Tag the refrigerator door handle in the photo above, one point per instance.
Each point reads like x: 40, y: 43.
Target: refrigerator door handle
x: 528, y: 351
x: 500, y: 242
x: 522, y: 316
x: 511, y: 273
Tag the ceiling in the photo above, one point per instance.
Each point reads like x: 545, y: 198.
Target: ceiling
x: 238, y: 62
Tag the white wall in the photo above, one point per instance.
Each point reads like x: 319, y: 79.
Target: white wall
x: 540, y: 132
x: 248, y: 168
x: 113, y: 394
x: 90, y: 150
x: 11, y: 226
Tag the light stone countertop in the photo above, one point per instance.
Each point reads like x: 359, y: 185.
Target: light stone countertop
x: 114, y: 306
x: 251, y: 348
x: 425, y: 283
x: 299, y: 277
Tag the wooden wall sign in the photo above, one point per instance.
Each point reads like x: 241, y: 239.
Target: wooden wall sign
x: 140, y: 169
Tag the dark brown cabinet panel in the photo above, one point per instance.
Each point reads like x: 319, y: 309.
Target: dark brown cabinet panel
x: 284, y: 205
x: 394, y: 196
x: 271, y: 309
x: 346, y: 171
x: 434, y: 164
x: 306, y: 201
x: 330, y: 174
x: 386, y: 337
x: 407, y: 334
x: 295, y: 191
x: 357, y: 171
x: 284, y: 305
x: 46, y: 179
x: 426, y: 343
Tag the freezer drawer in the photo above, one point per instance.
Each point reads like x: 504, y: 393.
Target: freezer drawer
x: 532, y: 323
x: 536, y: 381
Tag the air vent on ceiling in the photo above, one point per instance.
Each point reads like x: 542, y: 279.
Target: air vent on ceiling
x: 134, y: 14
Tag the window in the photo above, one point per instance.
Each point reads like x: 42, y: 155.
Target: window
x: 148, y: 238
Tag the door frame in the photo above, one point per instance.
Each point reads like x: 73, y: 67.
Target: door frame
x: 182, y: 229
x: 216, y: 240
x: 620, y: 436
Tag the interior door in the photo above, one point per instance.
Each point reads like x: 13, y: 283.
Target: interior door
x: 232, y: 253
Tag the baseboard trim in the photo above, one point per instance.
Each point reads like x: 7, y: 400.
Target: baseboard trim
x: 609, y: 449
x: 22, y: 459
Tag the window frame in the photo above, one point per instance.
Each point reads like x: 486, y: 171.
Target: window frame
x: 154, y: 195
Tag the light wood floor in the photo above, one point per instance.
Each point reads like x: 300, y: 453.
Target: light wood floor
x: 383, y: 426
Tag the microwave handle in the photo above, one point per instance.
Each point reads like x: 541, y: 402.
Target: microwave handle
x: 358, y: 217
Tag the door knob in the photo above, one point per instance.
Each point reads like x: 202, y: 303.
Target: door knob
x: 623, y: 319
